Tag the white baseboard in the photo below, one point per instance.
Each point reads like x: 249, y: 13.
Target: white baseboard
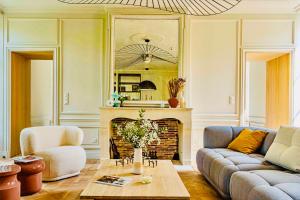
x: 92, y: 154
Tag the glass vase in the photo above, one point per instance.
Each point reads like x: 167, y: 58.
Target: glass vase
x: 138, y: 161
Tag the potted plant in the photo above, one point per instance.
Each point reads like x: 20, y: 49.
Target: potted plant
x: 139, y: 134
x: 118, y: 99
x: 175, y: 86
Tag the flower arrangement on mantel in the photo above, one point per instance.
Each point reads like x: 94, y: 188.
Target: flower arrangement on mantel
x: 139, y: 134
x: 175, y: 86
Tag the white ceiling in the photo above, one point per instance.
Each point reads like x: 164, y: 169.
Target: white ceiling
x: 246, y: 6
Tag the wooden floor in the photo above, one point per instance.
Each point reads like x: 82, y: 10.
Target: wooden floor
x: 71, y: 188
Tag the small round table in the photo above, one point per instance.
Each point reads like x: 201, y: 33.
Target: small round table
x: 31, y: 176
x: 9, y: 184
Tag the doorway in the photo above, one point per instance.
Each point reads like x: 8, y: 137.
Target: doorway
x: 32, y: 89
x: 268, y: 93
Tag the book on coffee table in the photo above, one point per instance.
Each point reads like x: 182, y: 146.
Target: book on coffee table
x: 113, y: 180
x: 6, y: 162
x: 26, y: 159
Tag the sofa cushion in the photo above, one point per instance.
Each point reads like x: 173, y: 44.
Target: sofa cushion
x: 248, y: 141
x: 218, y: 165
x: 265, y: 185
x: 62, y: 161
x: 285, y: 150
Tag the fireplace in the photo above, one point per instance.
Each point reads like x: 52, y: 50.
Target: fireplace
x: 167, y: 149
x: 177, y: 138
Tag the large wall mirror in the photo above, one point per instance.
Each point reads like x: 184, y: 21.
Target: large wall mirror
x: 146, y: 56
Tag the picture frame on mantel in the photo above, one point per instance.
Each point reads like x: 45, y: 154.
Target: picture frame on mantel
x: 111, y: 72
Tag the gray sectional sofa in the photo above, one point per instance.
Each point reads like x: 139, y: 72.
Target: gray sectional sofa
x: 240, y: 176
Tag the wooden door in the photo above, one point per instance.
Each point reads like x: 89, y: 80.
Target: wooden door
x: 20, y: 99
x: 278, y: 92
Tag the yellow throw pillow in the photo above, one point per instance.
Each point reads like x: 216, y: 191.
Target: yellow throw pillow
x: 248, y: 141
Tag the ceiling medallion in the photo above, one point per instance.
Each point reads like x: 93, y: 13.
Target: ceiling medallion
x: 188, y: 7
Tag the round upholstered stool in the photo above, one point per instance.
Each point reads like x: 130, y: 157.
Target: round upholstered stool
x: 31, y: 176
x: 9, y: 184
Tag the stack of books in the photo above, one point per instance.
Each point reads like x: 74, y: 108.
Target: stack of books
x: 6, y: 162
x: 26, y: 159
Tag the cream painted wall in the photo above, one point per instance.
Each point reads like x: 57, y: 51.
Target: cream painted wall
x: 41, y: 92
x: 2, y: 93
x: 32, y: 31
x: 257, y: 92
x: 212, y: 61
x: 260, y: 32
x: 81, y: 42
x: 296, y: 76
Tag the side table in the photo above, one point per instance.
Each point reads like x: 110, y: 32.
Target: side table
x: 31, y: 176
x: 9, y: 184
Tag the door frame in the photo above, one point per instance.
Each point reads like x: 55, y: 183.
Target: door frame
x: 7, y: 89
x: 244, y: 106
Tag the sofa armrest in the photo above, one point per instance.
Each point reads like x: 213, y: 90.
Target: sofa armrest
x: 73, y: 136
x: 217, y: 136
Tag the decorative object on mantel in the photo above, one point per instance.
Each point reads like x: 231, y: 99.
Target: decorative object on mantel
x: 188, y: 7
x: 118, y: 100
x: 175, y: 86
x: 139, y: 134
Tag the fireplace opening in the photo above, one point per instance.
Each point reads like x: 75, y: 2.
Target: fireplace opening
x: 168, y: 149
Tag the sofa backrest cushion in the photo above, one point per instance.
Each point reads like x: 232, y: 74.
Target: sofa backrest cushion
x: 222, y: 136
x: 217, y: 136
x: 285, y: 150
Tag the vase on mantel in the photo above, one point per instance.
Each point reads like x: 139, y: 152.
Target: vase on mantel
x: 138, y: 161
x: 182, y: 101
x: 173, y: 102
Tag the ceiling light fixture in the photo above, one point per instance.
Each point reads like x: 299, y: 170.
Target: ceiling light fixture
x: 137, y: 53
x: 188, y: 7
x: 147, y: 85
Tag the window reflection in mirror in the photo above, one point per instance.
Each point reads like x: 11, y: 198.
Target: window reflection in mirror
x: 146, y: 57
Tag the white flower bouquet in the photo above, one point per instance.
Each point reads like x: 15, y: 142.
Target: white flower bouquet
x: 141, y: 132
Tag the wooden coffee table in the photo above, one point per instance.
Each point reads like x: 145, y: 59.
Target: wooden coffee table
x: 166, y: 183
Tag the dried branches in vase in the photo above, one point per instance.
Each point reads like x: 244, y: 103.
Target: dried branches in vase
x: 175, y: 86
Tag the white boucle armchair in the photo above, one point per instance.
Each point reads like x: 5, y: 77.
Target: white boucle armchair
x: 60, y: 148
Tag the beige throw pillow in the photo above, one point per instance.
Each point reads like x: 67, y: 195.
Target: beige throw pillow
x: 285, y: 150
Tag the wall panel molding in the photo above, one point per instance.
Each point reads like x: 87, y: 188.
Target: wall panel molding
x: 268, y: 32
x: 32, y: 31
x: 81, y: 59
x: 213, y: 62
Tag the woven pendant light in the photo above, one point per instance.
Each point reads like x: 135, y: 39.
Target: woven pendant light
x: 188, y: 7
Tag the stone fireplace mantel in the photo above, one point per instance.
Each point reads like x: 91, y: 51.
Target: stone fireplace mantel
x: 183, y: 115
